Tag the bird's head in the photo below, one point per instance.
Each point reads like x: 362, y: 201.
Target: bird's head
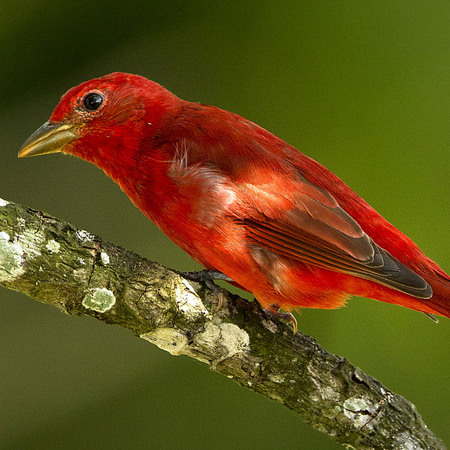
x: 104, y: 120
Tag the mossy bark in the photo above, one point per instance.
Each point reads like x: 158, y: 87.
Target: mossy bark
x: 53, y: 262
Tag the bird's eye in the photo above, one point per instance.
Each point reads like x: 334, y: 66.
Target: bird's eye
x: 93, y: 101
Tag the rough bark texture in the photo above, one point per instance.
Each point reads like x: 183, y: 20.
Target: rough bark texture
x: 55, y: 263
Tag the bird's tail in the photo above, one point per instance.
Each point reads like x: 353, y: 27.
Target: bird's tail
x: 440, y: 283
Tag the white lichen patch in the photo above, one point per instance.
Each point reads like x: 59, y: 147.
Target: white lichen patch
x: 276, y: 378
x: 104, y: 257
x: 188, y: 285
x: 84, y: 235
x: 357, y: 404
x: 359, y: 411
x: 80, y: 273
x: 188, y: 302
x: 226, y: 335
x: 3, y: 203
x: 168, y: 339
x: 407, y: 442
x: 52, y: 246
x: 328, y: 393
x: 31, y: 241
x: 11, y: 261
x: 101, y: 300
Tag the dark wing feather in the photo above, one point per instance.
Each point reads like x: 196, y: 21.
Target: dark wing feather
x: 319, y: 232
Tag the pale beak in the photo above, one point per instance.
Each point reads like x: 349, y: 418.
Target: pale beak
x: 50, y: 138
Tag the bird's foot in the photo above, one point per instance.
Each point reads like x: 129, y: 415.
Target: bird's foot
x: 208, y: 277
x: 274, y: 311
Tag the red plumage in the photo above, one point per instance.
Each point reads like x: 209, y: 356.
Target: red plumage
x: 244, y: 202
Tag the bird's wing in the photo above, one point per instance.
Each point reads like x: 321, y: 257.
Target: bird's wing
x: 305, y: 223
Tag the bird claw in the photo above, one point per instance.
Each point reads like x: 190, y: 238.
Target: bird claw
x: 274, y: 312
x: 220, y: 297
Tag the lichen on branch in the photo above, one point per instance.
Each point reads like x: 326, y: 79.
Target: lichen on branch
x: 55, y: 263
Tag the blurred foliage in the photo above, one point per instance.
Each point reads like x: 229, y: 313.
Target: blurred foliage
x: 363, y: 87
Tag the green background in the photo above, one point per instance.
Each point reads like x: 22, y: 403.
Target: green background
x: 363, y: 87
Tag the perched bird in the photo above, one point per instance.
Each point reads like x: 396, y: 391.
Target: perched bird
x: 240, y: 200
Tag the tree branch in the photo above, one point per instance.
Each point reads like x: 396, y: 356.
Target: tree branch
x: 55, y: 263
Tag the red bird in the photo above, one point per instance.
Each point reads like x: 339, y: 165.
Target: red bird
x: 240, y: 200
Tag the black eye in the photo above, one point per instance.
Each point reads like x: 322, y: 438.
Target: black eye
x: 93, y: 101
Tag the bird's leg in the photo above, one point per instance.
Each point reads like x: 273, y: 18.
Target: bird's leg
x: 274, y: 311
x: 208, y: 277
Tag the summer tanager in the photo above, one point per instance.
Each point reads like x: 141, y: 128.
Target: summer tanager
x: 240, y: 200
